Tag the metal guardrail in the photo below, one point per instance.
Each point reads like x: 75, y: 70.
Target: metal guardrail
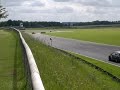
x: 35, y: 75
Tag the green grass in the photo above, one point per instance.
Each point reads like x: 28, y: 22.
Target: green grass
x: 62, y: 72
x: 39, y: 30
x: 107, y: 67
x: 12, y: 73
x: 101, y: 35
x: 36, y: 28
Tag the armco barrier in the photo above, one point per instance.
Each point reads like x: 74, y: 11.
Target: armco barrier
x: 35, y: 75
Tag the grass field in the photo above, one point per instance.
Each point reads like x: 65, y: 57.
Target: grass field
x: 101, y: 35
x: 12, y: 74
x: 62, y: 72
x: 107, y: 67
x: 39, y: 30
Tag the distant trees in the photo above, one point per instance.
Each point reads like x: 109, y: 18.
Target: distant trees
x: 91, y: 23
x: 3, y: 12
x: 30, y: 24
x: 35, y: 24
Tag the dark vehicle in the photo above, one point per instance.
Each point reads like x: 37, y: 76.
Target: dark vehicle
x: 43, y: 32
x: 115, y: 56
x: 33, y: 32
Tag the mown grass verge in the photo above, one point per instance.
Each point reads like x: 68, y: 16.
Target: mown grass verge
x: 12, y: 72
x: 62, y: 72
x: 101, y: 35
x: 107, y: 67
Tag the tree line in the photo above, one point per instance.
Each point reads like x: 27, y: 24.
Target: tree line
x: 28, y: 24
x: 96, y: 23
x: 35, y: 24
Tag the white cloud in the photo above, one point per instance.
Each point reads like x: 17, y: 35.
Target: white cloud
x: 63, y: 10
x: 33, y: 3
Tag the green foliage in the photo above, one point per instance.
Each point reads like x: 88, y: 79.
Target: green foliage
x: 30, y: 24
x: 62, y: 72
x: 56, y: 25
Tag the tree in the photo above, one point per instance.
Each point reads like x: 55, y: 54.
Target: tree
x: 3, y: 12
x: 10, y: 22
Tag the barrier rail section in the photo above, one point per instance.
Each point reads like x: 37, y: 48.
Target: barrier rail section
x: 35, y: 75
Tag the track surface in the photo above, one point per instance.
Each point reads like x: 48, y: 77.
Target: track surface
x: 97, y: 51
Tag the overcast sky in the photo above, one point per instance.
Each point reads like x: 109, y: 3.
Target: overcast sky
x: 63, y: 10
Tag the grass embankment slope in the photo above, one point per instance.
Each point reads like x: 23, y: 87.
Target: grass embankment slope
x: 62, y: 72
x: 114, y: 70
x: 12, y: 74
x: 101, y: 35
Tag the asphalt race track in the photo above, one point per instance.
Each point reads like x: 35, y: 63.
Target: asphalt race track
x: 94, y: 50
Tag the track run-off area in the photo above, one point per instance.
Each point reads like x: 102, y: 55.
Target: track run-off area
x: 89, y: 49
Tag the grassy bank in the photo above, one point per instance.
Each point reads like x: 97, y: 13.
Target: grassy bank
x: 62, y: 72
x: 12, y: 74
x: 107, y: 67
x: 101, y: 35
